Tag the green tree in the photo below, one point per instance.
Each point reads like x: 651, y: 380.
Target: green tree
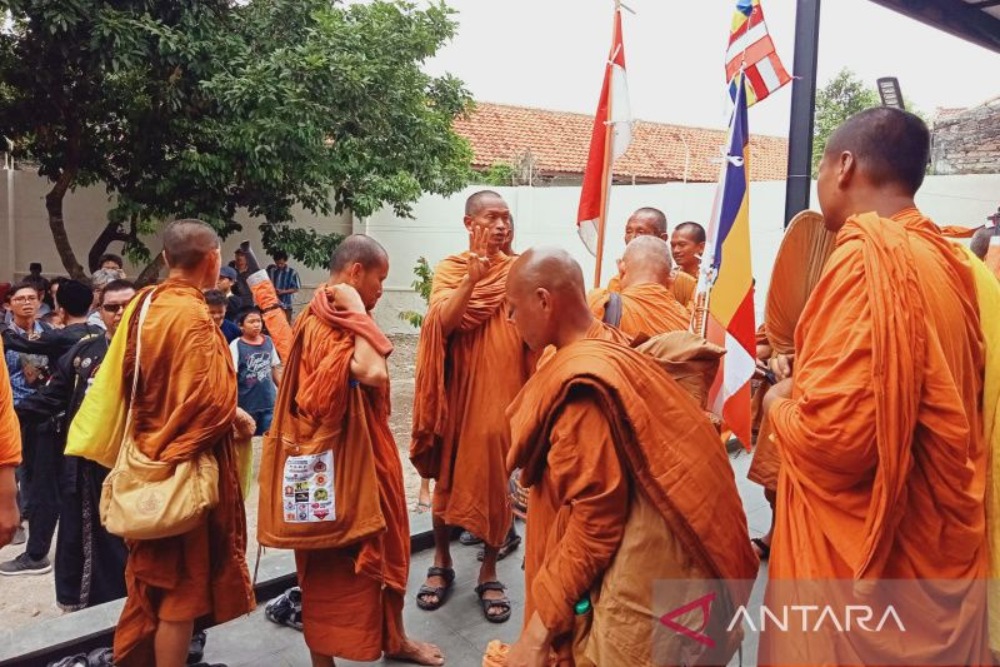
x: 199, y: 108
x: 425, y: 280
x: 842, y: 97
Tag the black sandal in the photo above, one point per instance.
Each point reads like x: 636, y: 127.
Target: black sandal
x: 440, y: 592
x: 763, y: 547
x: 488, y: 605
x: 509, y: 546
x: 469, y: 539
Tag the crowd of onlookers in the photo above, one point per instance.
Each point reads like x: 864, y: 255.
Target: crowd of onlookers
x: 55, y: 334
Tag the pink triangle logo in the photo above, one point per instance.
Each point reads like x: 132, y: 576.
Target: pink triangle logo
x: 704, y: 603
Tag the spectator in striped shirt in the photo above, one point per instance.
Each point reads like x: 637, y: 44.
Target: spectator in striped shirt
x: 285, y: 279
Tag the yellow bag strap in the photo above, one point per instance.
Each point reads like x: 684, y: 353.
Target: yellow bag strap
x: 126, y: 440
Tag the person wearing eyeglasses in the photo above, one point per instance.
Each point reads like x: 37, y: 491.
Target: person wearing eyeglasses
x: 43, y: 440
x: 84, y: 577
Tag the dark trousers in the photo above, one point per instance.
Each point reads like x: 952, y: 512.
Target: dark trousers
x: 90, y: 562
x: 42, y: 461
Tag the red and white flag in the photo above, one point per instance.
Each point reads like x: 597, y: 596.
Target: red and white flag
x: 611, y: 138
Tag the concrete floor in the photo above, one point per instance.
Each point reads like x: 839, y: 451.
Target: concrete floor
x: 458, y: 628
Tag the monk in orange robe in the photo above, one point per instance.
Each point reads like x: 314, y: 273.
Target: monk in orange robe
x: 352, y: 597
x: 185, y: 405
x: 880, y: 427
x: 470, y: 365
x: 617, y: 456
x: 10, y: 458
x: 687, y: 245
x: 648, y: 307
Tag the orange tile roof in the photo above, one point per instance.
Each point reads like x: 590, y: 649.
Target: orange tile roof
x: 559, y: 142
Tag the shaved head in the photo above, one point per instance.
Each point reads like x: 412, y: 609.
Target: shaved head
x: 480, y: 200
x: 655, y: 216
x: 547, y: 298
x: 186, y: 243
x: 891, y: 146
x: 551, y: 269
x: 692, y: 229
x: 358, y: 249
x: 646, y: 260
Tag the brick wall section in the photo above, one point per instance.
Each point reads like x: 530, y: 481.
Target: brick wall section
x: 967, y: 141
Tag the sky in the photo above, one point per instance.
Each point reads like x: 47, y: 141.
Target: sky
x: 551, y: 53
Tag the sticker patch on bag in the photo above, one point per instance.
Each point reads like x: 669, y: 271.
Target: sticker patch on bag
x: 308, y: 483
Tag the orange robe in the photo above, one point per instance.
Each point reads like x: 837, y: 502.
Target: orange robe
x: 766, y: 456
x: 352, y: 598
x: 883, y: 469
x: 186, y: 404
x: 464, y: 384
x: 647, y: 310
x: 617, y: 456
x: 266, y: 298
x: 10, y: 429
x: 682, y: 286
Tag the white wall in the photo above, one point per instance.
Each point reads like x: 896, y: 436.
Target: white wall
x: 542, y: 216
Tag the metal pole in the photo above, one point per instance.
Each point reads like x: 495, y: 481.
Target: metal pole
x: 800, y: 130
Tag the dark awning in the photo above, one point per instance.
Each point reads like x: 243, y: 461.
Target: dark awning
x: 977, y: 21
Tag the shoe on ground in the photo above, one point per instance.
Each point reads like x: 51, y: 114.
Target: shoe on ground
x: 25, y: 565
x: 196, y: 651
x: 20, y: 536
x: 71, y: 661
x: 286, y: 609
x: 101, y: 657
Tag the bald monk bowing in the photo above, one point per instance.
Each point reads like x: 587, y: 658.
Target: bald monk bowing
x: 10, y: 457
x: 470, y: 365
x: 617, y: 456
x: 352, y: 596
x: 185, y: 404
x: 647, y: 306
x: 880, y: 426
x: 649, y: 221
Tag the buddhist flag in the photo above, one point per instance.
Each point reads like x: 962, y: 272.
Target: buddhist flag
x: 751, y: 49
x: 728, y: 273
x: 611, y: 137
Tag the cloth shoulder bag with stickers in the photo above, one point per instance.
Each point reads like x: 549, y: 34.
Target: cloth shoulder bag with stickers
x: 318, y: 481
x: 143, y: 499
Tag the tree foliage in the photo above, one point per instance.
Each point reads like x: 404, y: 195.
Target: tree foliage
x: 425, y: 280
x: 842, y: 97
x: 200, y: 108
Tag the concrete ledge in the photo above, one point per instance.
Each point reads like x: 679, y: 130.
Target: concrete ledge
x: 82, y: 631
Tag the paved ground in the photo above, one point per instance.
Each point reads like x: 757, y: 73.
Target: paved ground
x: 459, y: 627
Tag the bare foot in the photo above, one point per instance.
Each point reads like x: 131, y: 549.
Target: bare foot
x: 420, y: 653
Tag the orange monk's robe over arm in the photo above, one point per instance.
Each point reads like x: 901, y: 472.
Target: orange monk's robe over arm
x: 266, y: 298
x: 10, y: 429
x: 584, y: 472
x: 683, y: 288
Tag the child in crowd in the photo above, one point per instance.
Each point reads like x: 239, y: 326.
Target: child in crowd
x: 258, y: 368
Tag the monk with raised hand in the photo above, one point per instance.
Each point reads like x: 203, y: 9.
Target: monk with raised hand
x: 470, y: 365
x: 615, y: 453
x: 185, y: 404
x: 10, y: 457
x: 352, y: 596
x: 647, y: 307
x: 880, y: 427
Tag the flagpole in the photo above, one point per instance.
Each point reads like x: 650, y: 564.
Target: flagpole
x: 608, y: 163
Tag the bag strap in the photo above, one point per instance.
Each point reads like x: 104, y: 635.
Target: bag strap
x: 290, y: 380
x: 135, y: 374
x: 613, y: 309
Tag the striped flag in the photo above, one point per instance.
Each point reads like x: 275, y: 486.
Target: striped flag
x: 751, y: 49
x: 611, y: 137
x: 729, y: 277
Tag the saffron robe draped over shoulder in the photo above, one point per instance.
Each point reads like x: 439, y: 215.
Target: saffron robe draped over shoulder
x: 682, y: 286
x: 185, y: 405
x: 464, y: 383
x: 618, y: 456
x: 10, y: 429
x: 883, y: 459
x: 352, y: 597
x: 647, y: 309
